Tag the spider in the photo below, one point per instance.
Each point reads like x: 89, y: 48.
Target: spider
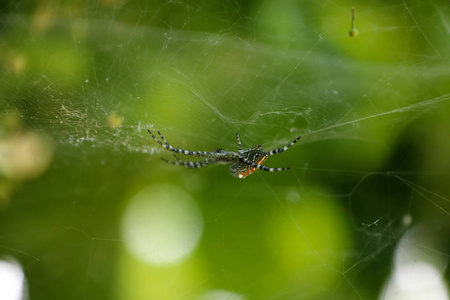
x: 243, y: 162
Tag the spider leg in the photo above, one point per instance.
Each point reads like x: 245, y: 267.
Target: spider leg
x: 164, y: 140
x: 190, y: 164
x: 264, y: 168
x: 180, y: 151
x: 239, y: 141
x: 176, y: 157
x: 276, y: 151
x: 158, y: 141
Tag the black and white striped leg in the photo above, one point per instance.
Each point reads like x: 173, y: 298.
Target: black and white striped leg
x: 158, y: 141
x: 176, y: 157
x: 264, y: 168
x: 239, y: 141
x: 164, y: 140
x: 276, y: 151
x: 176, y: 150
x: 190, y: 164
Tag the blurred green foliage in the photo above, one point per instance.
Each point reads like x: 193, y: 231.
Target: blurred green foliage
x: 85, y: 80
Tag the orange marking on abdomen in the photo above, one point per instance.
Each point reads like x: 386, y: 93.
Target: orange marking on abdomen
x: 252, y: 169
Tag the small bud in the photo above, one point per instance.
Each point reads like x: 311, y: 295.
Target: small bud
x: 353, y: 31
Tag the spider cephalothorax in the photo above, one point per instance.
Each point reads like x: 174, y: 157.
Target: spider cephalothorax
x: 243, y: 162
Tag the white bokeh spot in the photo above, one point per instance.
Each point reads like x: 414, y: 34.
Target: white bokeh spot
x: 221, y: 295
x: 12, y: 281
x: 162, y: 225
x: 418, y: 270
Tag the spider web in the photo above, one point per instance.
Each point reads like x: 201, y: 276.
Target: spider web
x: 89, y: 211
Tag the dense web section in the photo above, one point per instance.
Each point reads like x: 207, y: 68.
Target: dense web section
x: 88, y: 209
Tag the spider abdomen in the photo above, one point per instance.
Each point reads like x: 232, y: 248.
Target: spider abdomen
x: 242, y: 169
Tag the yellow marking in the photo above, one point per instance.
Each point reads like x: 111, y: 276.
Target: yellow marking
x: 252, y: 169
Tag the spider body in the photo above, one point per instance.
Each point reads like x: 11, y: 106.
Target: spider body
x: 243, y: 162
x: 256, y: 155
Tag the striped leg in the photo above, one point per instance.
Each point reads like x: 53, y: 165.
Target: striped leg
x: 158, y: 141
x: 239, y: 141
x: 190, y: 164
x: 264, y: 168
x: 176, y: 150
x: 162, y: 138
x: 276, y: 151
x: 176, y: 157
